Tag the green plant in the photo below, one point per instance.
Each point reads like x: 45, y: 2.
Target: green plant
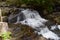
x: 6, y: 35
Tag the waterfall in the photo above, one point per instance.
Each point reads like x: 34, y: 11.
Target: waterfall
x: 33, y: 19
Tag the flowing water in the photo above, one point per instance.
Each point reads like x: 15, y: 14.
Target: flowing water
x: 33, y: 19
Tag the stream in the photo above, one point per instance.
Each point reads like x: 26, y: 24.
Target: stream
x: 32, y: 18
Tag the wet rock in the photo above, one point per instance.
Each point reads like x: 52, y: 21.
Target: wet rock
x: 42, y: 38
x: 54, y: 17
x: 22, y: 32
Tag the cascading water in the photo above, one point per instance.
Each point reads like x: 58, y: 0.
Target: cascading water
x: 32, y: 18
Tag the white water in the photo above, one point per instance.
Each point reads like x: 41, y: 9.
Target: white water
x: 48, y: 34
x: 34, y: 20
x: 59, y: 27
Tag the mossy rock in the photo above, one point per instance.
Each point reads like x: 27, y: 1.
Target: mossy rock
x: 5, y: 19
x: 0, y: 38
x: 54, y: 17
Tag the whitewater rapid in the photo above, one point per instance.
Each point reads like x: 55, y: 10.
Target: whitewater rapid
x: 33, y: 19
